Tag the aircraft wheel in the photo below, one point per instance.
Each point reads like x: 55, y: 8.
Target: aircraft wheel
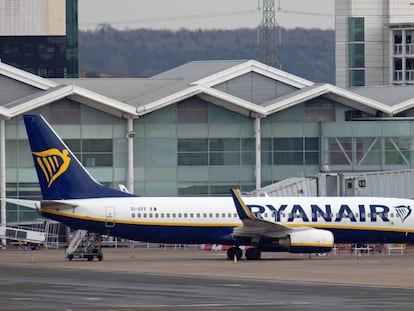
x: 100, y: 257
x: 70, y: 257
x: 233, y: 252
x: 253, y: 254
x: 89, y: 257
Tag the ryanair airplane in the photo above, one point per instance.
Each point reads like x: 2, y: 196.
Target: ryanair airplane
x: 292, y: 224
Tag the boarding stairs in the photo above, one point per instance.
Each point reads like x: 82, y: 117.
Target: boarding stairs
x: 84, y: 244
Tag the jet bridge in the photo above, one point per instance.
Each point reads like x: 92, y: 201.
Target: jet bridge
x: 398, y: 184
x: 23, y: 234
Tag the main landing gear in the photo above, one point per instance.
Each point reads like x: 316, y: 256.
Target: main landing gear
x: 235, y: 252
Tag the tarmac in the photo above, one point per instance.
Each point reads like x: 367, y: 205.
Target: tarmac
x: 383, y: 270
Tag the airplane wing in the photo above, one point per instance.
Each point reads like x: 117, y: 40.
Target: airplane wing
x: 253, y: 226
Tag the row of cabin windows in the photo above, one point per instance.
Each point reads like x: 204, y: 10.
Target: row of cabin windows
x: 325, y: 215
x: 230, y: 215
x: 184, y: 215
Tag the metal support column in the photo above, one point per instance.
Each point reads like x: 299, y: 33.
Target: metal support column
x: 258, y: 149
x: 130, y: 169
x: 404, y: 59
x: 3, y: 175
x: 391, y: 59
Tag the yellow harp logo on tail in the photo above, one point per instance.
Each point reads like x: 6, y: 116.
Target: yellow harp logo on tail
x: 53, y: 163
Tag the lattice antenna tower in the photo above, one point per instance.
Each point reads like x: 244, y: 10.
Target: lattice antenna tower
x: 269, y: 34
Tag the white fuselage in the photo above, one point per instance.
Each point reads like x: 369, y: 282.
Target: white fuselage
x: 356, y: 216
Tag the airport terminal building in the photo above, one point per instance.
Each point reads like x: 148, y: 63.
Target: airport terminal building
x: 203, y: 128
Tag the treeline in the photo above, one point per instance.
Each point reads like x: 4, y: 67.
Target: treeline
x: 308, y: 53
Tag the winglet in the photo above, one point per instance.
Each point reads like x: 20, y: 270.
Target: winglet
x: 242, y: 210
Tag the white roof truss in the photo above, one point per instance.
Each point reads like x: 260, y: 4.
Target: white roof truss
x: 253, y: 66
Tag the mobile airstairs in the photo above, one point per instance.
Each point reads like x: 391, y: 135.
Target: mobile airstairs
x: 84, y: 245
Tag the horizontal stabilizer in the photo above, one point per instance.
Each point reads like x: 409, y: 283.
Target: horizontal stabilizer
x: 34, y: 204
x: 57, y: 205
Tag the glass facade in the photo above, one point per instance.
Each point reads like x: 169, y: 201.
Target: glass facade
x: 44, y: 56
x: 368, y: 146
x: 193, y: 148
x: 290, y: 140
x: 210, y: 151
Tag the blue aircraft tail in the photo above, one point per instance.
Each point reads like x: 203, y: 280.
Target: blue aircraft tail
x: 61, y: 175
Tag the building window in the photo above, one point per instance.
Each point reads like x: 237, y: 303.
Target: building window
x: 339, y: 150
x: 248, y: 155
x: 192, y: 151
x: 356, y: 29
x: 216, y: 151
x: 398, y: 73
x: 397, y: 150
x: 224, y: 151
x: 92, y: 152
x: 296, y: 151
x: 356, y: 55
x: 409, y: 72
x: 356, y: 77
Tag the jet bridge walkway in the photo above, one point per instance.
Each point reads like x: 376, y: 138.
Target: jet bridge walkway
x: 23, y: 234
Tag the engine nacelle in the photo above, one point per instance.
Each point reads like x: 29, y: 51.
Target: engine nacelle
x: 310, y: 241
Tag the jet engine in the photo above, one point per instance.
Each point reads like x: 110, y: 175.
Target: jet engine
x: 308, y: 241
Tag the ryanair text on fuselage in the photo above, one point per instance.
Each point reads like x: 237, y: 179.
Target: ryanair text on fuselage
x: 326, y: 212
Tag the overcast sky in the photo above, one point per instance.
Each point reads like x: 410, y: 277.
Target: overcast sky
x: 208, y: 14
